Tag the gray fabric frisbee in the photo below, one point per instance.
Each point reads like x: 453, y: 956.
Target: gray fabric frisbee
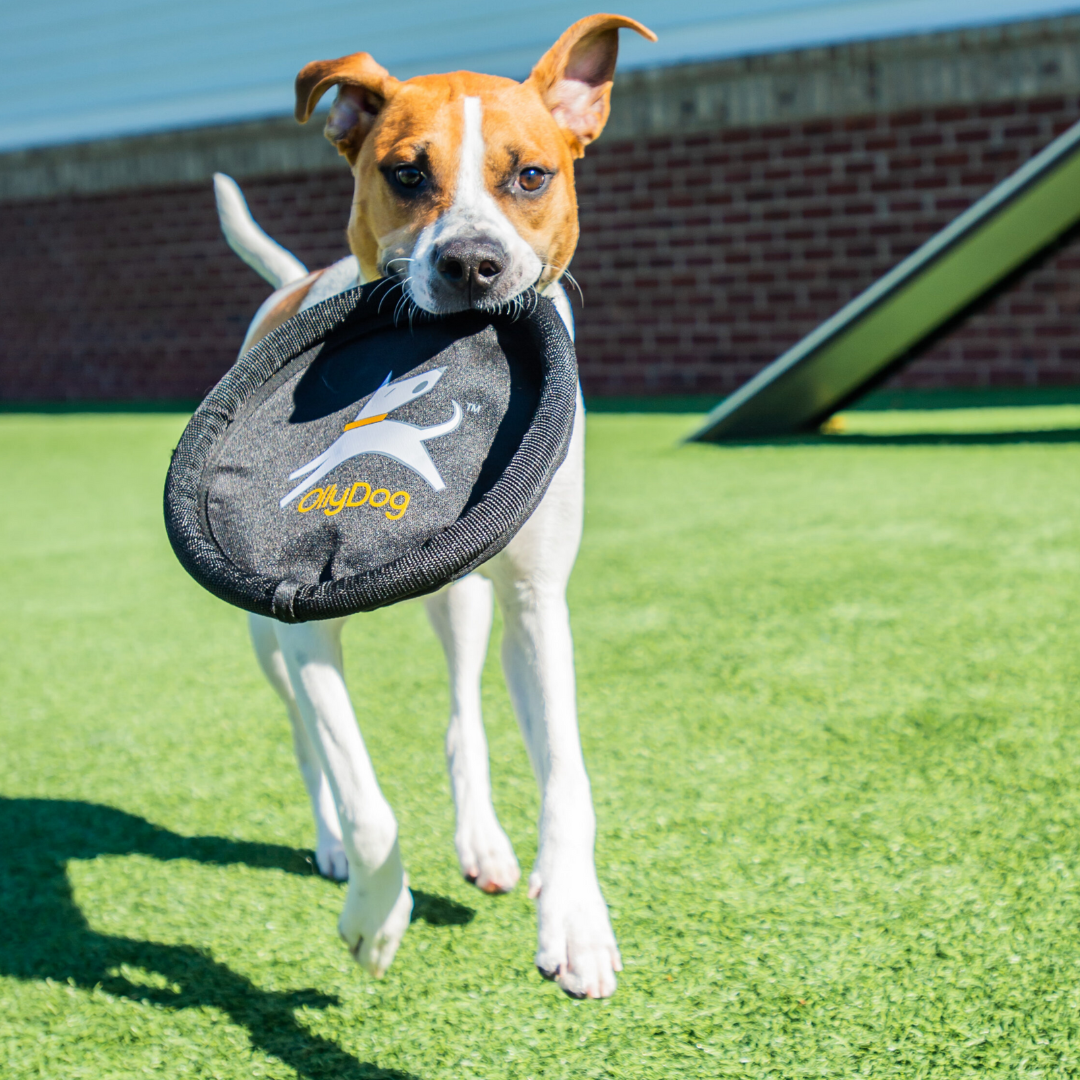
x: 345, y: 462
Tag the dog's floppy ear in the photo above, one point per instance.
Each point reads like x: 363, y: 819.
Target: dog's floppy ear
x: 363, y: 89
x: 574, y: 76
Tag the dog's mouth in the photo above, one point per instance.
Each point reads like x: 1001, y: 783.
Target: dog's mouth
x: 413, y: 297
x: 449, y: 269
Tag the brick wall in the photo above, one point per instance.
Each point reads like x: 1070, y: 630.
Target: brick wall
x: 702, y: 257
x: 135, y: 295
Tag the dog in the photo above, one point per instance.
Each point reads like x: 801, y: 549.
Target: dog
x: 464, y: 199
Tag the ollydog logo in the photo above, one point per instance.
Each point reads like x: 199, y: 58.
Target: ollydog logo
x: 372, y: 433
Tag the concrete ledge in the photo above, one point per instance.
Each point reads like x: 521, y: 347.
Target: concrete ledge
x: 978, y: 66
x: 965, y: 67
x: 276, y: 146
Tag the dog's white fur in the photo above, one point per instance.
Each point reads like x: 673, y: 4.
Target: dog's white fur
x: 355, y: 828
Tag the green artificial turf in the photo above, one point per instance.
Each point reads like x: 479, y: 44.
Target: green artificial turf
x: 829, y: 701
x: 983, y: 420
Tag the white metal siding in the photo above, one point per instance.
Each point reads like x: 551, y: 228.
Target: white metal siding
x: 83, y: 69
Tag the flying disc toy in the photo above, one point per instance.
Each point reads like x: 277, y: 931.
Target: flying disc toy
x: 346, y: 462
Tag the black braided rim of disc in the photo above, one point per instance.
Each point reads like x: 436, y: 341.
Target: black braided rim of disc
x: 481, y: 532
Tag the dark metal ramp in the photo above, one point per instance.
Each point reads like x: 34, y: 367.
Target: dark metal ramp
x: 845, y: 355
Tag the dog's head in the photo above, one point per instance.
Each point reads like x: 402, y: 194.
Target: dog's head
x: 464, y: 182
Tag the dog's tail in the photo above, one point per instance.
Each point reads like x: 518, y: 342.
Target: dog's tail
x: 264, y: 255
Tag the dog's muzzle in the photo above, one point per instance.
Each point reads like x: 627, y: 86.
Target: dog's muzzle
x: 470, y: 274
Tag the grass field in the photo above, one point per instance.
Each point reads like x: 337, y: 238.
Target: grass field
x: 829, y: 700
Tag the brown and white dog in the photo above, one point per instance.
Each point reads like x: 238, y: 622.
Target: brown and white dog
x: 464, y: 199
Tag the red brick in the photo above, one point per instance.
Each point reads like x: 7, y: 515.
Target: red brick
x: 1046, y: 105
x: 1022, y: 131
x: 999, y: 108
x: 951, y: 114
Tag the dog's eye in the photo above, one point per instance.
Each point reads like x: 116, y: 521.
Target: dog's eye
x: 532, y: 179
x: 408, y: 176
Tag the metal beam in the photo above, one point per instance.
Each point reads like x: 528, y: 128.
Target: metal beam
x: 846, y: 353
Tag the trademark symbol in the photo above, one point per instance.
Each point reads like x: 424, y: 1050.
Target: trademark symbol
x: 472, y: 406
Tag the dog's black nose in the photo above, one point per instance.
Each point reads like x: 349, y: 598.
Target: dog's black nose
x: 471, y: 266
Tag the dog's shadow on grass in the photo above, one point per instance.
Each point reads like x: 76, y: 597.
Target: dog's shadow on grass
x: 46, y: 936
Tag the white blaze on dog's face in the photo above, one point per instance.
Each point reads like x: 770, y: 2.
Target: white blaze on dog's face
x: 471, y: 255
x: 464, y: 182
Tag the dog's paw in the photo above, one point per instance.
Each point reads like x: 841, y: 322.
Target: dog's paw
x: 486, y: 855
x: 576, y: 945
x: 377, y: 911
x: 331, y: 861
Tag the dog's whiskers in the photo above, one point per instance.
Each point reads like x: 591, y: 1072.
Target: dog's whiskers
x: 569, y: 277
x: 408, y: 307
x: 393, y: 279
x: 391, y: 286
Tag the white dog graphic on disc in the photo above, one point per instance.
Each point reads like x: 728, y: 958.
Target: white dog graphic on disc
x: 372, y: 433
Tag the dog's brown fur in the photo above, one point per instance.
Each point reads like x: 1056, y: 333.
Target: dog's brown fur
x: 378, y: 123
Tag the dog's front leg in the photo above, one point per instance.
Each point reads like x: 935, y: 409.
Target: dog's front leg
x: 378, y: 903
x: 576, y: 943
x: 329, y: 851
x: 461, y: 616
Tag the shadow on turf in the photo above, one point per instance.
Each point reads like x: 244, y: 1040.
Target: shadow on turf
x: 926, y: 438
x: 46, y: 935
